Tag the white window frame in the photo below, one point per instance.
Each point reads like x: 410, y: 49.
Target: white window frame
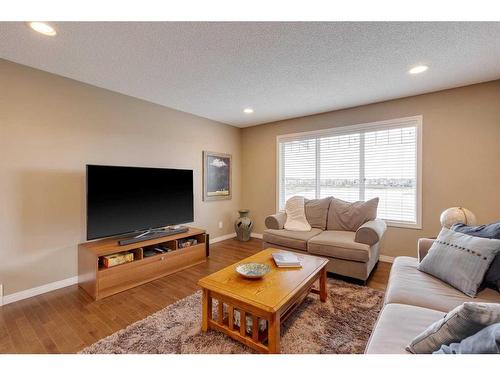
x: 416, y: 121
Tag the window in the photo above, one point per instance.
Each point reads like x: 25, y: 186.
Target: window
x: 357, y: 162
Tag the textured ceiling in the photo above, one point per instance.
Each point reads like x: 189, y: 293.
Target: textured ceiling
x: 282, y: 70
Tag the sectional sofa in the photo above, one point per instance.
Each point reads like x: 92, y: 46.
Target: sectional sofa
x: 413, y: 301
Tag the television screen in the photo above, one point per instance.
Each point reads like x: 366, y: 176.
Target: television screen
x: 127, y: 199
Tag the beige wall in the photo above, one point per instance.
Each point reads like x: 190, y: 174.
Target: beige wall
x: 461, y: 156
x: 50, y: 127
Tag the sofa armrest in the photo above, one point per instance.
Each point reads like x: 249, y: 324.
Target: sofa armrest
x: 371, y: 232
x: 276, y: 221
x: 424, y: 244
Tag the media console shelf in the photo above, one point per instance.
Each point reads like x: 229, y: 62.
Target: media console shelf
x: 100, y: 282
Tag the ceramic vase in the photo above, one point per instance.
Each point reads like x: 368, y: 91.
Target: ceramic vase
x: 243, y: 226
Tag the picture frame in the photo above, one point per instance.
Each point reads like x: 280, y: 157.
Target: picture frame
x: 217, y: 176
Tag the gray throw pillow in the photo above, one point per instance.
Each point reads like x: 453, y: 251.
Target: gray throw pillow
x: 317, y: 211
x: 461, y: 322
x: 460, y: 260
x: 486, y: 341
x: 492, y: 277
x: 486, y: 230
x: 350, y: 216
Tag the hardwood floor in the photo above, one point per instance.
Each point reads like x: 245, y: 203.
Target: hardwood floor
x: 67, y: 320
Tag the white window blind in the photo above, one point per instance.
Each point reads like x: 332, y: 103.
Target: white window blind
x: 353, y: 163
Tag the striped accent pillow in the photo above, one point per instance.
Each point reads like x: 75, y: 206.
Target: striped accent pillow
x: 461, y: 322
x: 460, y: 260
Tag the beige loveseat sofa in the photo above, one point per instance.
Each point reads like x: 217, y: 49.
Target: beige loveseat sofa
x: 413, y: 301
x: 351, y: 253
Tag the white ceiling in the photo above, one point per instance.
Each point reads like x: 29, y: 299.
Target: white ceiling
x: 282, y: 70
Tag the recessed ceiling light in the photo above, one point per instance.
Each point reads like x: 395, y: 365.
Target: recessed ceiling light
x: 43, y: 28
x: 418, y: 69
x: 248, y: 110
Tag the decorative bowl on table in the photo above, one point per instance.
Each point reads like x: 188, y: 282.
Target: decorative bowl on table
x: 253, y: 270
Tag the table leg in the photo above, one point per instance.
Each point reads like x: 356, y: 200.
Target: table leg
x: 322, y: 285
x: 206, y: 312
x: 273, y: 335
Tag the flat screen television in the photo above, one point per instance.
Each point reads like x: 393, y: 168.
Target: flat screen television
x: 128, y: 199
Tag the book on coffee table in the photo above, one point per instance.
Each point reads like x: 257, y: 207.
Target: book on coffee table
x: 286, y: 260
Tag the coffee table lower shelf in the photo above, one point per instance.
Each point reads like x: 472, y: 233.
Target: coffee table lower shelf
x: 263, y: 341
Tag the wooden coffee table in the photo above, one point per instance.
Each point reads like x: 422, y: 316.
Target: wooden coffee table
x: 271, y: 298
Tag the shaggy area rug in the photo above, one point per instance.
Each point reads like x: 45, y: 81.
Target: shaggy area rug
x: 341, y: 325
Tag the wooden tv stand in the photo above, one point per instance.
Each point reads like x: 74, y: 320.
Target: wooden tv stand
x: 100, y: 282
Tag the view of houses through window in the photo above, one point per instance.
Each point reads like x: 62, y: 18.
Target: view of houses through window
x: 358, y: 165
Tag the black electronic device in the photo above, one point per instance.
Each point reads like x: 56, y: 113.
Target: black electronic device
x: 131, y: 199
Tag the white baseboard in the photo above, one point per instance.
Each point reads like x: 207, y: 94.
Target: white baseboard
x: 14, y: 297
x: 222, y: 238
x: 386, y: 258
x: 9, y: 298
x: 18, y: 296
x: 232, y: 235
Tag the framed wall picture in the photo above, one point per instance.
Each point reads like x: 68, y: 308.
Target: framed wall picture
x: 216, y: 176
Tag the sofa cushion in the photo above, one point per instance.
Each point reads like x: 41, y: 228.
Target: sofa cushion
x: 397, y: 325
x: 289, y: 238
x: 317, y: 211
x: 485, y: 231
x: 349, y: 216
x: 339, y: 244
x: 296, y: 215
x: 492, y: 277
x: 486, y: 341
x: 460, y: 260
x: 461, y: 322
x: 408, y: 285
